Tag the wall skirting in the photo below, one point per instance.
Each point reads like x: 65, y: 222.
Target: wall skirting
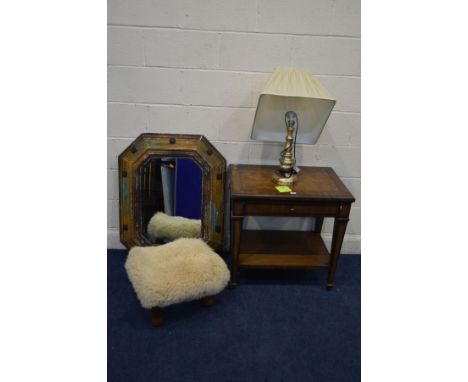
x: 113, y: 239
x: 351, y: 243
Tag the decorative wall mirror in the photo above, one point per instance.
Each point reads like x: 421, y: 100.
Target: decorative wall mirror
x: 171, y: 186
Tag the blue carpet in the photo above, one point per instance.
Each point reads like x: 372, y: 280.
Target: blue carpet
x: 275, y: 326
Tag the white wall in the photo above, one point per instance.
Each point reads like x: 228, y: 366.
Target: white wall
x: 197, y: 67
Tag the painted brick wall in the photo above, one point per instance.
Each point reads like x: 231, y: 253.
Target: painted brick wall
x: 198, y: 66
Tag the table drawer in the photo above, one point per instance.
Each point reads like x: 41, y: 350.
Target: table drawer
x: 259, y: 208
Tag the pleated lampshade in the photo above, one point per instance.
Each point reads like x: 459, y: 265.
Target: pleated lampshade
x: 292, y: 89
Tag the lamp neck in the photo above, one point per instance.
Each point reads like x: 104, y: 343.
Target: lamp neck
x: 287, y: 160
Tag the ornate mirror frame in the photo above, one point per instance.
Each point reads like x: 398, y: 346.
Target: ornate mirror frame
x: 197, y: 147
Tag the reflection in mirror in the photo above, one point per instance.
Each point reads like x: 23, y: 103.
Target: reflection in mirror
x: 170, y: 198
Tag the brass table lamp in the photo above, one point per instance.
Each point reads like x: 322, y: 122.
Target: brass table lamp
x: 291, y: 95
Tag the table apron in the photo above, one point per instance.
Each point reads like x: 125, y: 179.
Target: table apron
x: 260, y: 208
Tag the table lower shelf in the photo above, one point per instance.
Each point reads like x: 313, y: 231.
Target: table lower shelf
x: 282, y: 249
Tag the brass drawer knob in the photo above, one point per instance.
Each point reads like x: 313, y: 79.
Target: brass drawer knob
x: 291, y: 210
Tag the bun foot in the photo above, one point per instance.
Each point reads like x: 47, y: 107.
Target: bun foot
x: 207, y: 301
x: 156, y: 317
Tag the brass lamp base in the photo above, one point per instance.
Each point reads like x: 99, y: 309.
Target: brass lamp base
x: 286, y: 175
x: 281, y: 180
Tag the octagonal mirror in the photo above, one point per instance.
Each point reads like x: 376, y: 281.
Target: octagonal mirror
x: 171, y: 186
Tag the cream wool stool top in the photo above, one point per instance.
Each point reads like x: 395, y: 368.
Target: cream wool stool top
x: 183, y: 270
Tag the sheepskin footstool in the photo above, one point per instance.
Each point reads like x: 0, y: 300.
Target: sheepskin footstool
x: 184, y: 270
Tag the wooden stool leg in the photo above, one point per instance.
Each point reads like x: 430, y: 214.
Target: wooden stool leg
x: 207, y: 301
x: 156, y: 316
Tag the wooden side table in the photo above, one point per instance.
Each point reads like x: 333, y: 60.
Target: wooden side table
x: 319, y: 193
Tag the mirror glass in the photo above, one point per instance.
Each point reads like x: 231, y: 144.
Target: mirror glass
x: 169, y: 194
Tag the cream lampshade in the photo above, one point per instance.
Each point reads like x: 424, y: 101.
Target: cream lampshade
x: 293, y: 107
